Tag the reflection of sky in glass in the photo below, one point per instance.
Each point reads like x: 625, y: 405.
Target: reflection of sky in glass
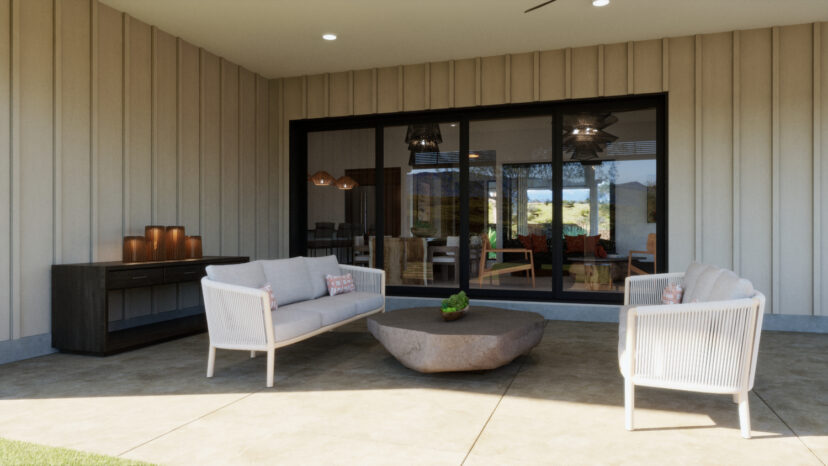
x: 642, y: 171
x: 539, y: 195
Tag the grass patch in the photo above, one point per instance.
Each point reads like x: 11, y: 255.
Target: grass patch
x: 20, y: 453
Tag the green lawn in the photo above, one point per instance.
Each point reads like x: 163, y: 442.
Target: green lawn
x: 25, y: 453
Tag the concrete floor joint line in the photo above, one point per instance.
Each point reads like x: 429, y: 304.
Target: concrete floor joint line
x: 793, y: 431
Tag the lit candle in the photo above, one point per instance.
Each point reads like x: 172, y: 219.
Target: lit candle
x: 135, y: 249
x: 175, y: 243
x: 154, y: 235
x: 193, y: 247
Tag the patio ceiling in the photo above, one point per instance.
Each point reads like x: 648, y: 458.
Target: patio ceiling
x: 283, y: 38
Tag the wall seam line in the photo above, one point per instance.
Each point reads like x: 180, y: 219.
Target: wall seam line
x: 630, y: 67
x: 93, y: 132
x: 15, y: 289
x: 57, y: 132
x: 698, y: 173
x: 153, y: 123
x: 665, y: 65
x: 126, y: 221
x: 601, y: 70
x: 737, y: 155
x: 817, y: 169
x: 776, y: 147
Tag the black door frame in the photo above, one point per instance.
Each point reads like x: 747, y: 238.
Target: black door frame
x: 299, y: 130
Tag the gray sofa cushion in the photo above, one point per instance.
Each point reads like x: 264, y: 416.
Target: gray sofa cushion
x: 289, y: 278
x: 730, y: 286
x: 249, y: 274
x: 288, y: 324
x: 330, y: 308
x: 704, y: 285
x: 691, y: 276
x: 318, y: 269
x: 363, y: 301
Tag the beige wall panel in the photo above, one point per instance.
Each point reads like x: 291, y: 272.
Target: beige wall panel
x: 522, y: 77
x: 552, y: 75
x: 414, y: 84
x: 110, y: 133
x: 340, y: 94
x: 795, y: 178
x: 277, y: 171
x: 464, y: 83
x: 755, y: 241
x: 717, y: 155
x: 647, y: 66
x: 5, y: 167
x: 247, y: 163
x: 388, y: 90
x: 681, y: 152
x: 493, y: 80
x: 615, y: 69
x: 584, y: 72
x: 823, y: 71
x: 262, y: 169
x: 440, y: 85
x: 35, y: 227
x: 188, y: 137
x: 294, y: 100
x: 140, y: 126
x: 165, y: 121
x: 74, y: 143
x: 364, y: 92
x: 210, y: 142
x: 229, y: 158
x: 317, y: 96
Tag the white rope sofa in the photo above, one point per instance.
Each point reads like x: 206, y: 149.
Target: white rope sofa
x: 239, y: 315
x: 708, y: 343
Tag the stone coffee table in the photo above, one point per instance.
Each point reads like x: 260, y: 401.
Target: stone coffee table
x: 485, y: 338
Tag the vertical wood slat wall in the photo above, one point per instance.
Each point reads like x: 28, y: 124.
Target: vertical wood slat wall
x: 747, y: 134
x: 108, y: 124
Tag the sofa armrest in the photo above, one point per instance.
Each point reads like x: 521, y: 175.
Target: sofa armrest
x: 238, y: 317
x: 647, y: 289
x: 366, y: 279
x: 709, y: 346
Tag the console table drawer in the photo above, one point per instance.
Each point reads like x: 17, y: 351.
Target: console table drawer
x: 134, y: 278
x: 183, y: 273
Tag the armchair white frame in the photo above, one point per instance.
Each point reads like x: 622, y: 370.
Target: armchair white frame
x: 239, y: 318
x: 708, y: 347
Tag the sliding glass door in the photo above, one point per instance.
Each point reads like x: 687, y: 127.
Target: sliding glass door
x: 557, y: 201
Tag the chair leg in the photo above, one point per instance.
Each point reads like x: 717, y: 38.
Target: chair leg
x: 252, y: 354
x: 744, y: 414
x: 735, y: 397
x: 211, y: 361
x: 271, y: 361
x: 629, y: 403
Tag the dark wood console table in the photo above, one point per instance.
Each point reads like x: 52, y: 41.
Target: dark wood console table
x: 107, y: 307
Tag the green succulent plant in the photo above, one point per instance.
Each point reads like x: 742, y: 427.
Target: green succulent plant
x: 455, y: 302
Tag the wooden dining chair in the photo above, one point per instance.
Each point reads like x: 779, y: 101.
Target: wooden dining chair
x: 505, y: 267
x: 633, y: 267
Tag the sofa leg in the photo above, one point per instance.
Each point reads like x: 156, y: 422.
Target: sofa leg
x: 211, y: 361
x: 252, y: 354
x: 271, y: 361
x: 744, y: 414
x: 735, y: 397
x: 629, y: 403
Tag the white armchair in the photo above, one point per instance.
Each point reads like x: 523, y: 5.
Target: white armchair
x: 708, y: 347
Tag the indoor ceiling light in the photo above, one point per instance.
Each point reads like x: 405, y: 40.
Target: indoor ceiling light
x: 346, y: 183
x: 333, y: 36
x: 474, y: 156
x: 321, y: 178
x: 600, y: 2
x: 422, y: 138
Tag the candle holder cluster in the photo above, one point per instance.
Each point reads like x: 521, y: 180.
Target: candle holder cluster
x: 161, y: 243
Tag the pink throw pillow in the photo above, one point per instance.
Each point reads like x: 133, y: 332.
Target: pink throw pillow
x: 269, y: 289
x: 672, y: 294
x: 338, y: 284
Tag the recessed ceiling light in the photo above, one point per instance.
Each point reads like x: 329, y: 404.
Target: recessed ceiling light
x: 474, y: 155
x: 600, y: 2
x: 333, y: 36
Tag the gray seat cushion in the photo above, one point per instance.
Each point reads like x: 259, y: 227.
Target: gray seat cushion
x: 730, y: 286
x: 289, y: 324
x: 318, y: 269
x: 289, y: 279
x: 691, y: 276
x: 364, y: 301
x: 331, y: 309
x: 249, y: 274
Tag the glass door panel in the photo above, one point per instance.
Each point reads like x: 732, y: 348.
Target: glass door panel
x: 609, y: 199
x: 422, y: 205
x: 341, y: 202
x: 511, y: 203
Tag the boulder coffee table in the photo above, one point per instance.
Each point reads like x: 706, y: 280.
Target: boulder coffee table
x: 486, y: 338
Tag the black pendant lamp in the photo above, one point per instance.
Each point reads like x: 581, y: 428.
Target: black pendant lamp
x: 585, y: 138
x: 423, y: 138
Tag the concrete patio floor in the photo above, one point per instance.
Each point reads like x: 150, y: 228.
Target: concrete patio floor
x: 340, y: 398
